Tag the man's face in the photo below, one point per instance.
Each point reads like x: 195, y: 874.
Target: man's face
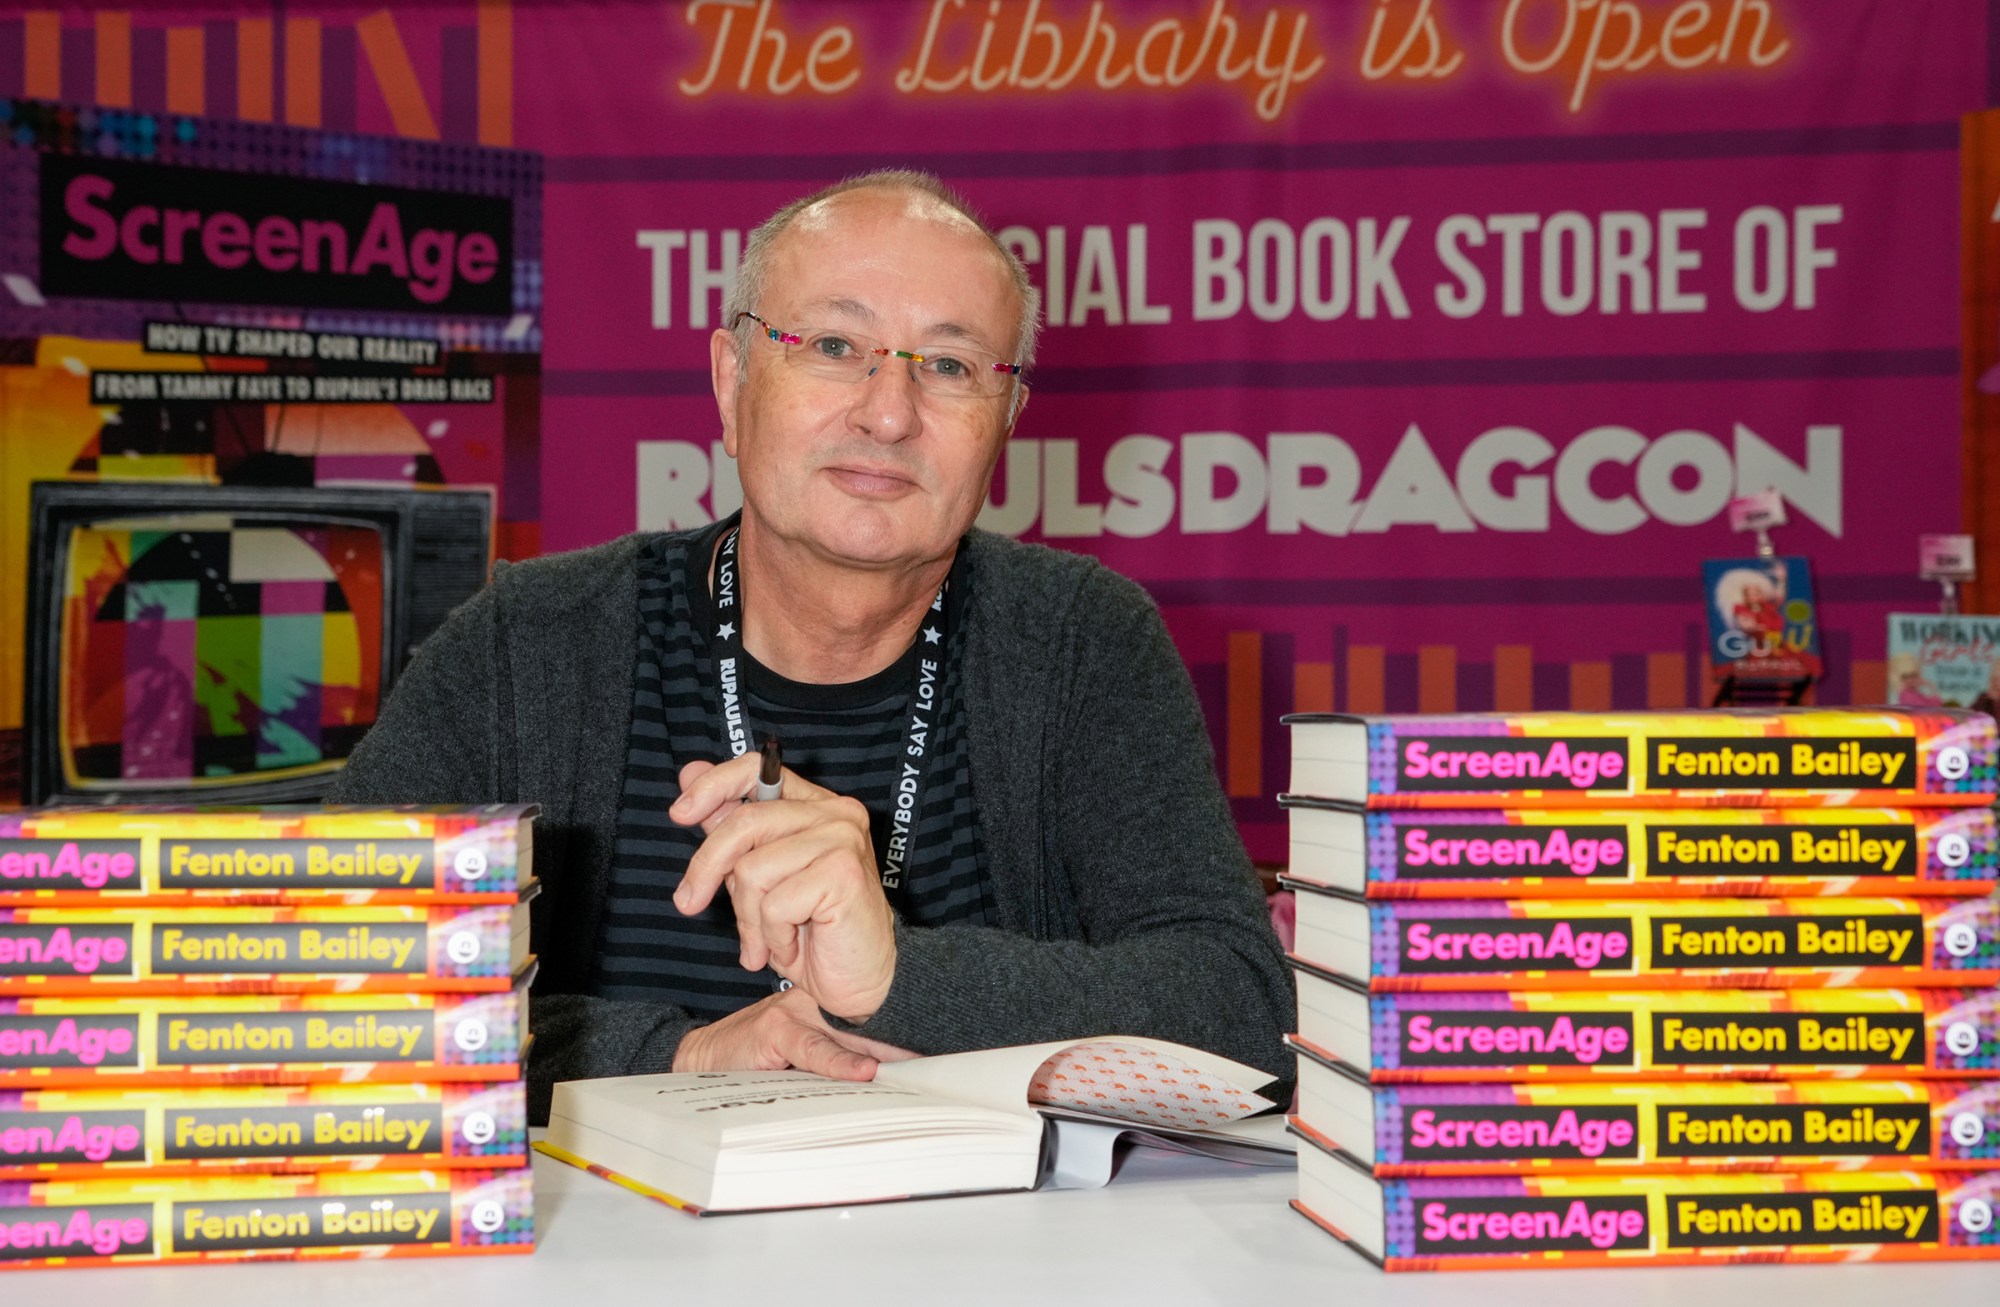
x: 875, y: 473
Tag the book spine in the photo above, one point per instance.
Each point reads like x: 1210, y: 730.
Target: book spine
x: 1721, y: 852
x: 1814, y: 1216
x: 81, y: 1042
x: 54, y: 951
x: 262, y: 1128
x: 1567, y: 1035
x: 1514, y: 1129
x: 265, y: 1217
x: 1781, y: 943
x: 52, y: 861
x: 1803, y: 759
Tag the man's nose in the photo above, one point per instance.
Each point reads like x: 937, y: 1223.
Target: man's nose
x: 885, y: 406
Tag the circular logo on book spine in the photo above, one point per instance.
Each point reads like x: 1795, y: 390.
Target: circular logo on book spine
x: 469, y: 1034
x: 470, y: 864
x: 487, y: 1216
x: 1968, y: 1129
x: 462, y: 947
x: 1953, y: 850
x: 1962, y: 1038
x: 1975, y: 1216
x: 478, y: 1128
x: 1960, y: 939
x: 1953, y: 763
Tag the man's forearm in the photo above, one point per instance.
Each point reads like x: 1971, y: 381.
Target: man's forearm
x: 960, y: 988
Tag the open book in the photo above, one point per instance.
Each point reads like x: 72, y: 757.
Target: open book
x: 1004, y: 1118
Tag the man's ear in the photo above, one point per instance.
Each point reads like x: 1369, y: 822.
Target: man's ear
x: 725, y: 374
x: 1020, y: 402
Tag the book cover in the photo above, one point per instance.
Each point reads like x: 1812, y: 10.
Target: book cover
x: 455, y: 948
x: 1748, y: 1034
x: 1644, y: 853
x: 1796, y: 757
x: 272, y: 855
x: 1762, y: 623
x: 98, y: 1133
x: 301, y: 1217
x: 1689, y: 1218
x: 1493, y: 944
x: 1599, y: 1126
x: 1935, y: 658
x: 279, y: 1039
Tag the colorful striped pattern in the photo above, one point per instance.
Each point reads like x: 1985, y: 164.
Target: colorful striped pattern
x: 311, y: 72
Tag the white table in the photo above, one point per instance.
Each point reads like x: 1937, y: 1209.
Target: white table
x: 1169, y: 1229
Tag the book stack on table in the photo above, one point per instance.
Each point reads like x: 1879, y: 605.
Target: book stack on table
x: 263, y: 1033
x: 1591, y: 989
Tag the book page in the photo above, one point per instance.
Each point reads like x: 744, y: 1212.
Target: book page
x: 1002, y: 1077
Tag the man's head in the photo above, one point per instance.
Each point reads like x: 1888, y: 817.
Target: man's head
x: 888, y: 465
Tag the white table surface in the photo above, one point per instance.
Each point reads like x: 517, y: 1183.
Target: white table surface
x: 1168, y: 1229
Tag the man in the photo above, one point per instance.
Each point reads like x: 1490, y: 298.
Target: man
x: 999, y: 821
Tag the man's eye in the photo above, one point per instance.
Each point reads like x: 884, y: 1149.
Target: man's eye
x: 834, y: 347
x: 947, y: 366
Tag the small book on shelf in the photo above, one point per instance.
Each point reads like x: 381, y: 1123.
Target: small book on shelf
x: 1036, y: 1115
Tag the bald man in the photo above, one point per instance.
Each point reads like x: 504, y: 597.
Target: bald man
x: 998, y: 820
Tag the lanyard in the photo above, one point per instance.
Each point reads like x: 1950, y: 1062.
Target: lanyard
x: 920, y: 711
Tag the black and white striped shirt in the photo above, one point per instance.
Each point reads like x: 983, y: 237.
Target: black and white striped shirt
x: 847, y: 738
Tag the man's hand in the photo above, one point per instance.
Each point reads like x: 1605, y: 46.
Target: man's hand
x: 784, y: 1030
x: 801, y: 876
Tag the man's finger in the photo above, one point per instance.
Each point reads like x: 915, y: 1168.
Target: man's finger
x: 707, y: 787
x: 813, y: 893
x: 719, y: 856
x: 772, y: 935
x: 810, y: 1050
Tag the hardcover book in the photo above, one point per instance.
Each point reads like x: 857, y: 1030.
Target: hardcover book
x: 1689, y: 1218
x: 1644, y: 853
x: 1599, y: 1127
x: 1005, y: 1118
x: 305, y: 1216
x: 290, y: 950
x: 1796, y: 757
x: 262, y: 856
x: 284, y: 1039
x: 1745, y: 1034
x: 99, y: 1133
x: 1406, y: 945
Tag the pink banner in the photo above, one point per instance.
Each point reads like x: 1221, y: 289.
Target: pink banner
x: 1403, y: 380
x: 1407, y: 351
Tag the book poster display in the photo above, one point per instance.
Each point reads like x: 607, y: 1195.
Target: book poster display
x: 1940, y: 661
x: 1603, y: 989
x: 253, y: 1034
x: 1763, y: 626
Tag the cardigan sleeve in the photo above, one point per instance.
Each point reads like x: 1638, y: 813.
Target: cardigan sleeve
x: 1142, y: 866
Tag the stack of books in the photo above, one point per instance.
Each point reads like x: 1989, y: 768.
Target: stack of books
x: 263, y: 1033
x: 1582, y: 989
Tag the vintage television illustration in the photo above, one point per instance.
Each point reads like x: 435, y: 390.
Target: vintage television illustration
x: 269, y: 406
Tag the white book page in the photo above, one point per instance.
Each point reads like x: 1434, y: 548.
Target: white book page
x: 999, y: 1077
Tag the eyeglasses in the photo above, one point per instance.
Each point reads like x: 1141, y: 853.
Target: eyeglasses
x: 951, y: 371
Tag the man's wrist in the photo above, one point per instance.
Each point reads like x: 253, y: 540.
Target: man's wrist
x: 684, y: 1051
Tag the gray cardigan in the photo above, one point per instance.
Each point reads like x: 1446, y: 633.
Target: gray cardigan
x: 1126, y: 903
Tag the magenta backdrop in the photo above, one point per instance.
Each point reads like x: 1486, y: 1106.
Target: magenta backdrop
x: 1384, y: 574
x: 1733, y: 228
